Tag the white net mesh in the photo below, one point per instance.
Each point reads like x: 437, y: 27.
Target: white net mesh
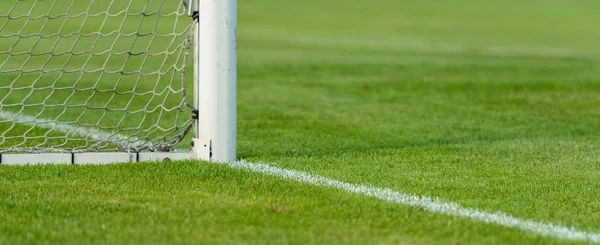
x: 94, y: 75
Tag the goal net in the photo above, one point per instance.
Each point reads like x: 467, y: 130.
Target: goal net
x: 95, y: 75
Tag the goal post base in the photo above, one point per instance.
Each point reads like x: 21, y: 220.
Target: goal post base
x: 97, y: 158
x: 202, y: 148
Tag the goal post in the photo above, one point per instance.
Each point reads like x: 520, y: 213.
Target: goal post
x: 216, y: 93
x: 105, y: 81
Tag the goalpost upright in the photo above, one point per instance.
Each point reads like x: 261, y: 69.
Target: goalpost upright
x: 216, y: 74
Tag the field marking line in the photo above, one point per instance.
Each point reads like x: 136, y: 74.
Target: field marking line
x: 433, y: 205
x: 25, y: 119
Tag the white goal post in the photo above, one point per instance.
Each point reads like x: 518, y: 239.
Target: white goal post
x: 216, y: 93
x: 106, y: 81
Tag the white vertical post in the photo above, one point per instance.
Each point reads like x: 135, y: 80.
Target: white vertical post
x: 217, y: 80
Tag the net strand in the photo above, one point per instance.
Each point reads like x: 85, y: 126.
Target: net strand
x: 81, y: 76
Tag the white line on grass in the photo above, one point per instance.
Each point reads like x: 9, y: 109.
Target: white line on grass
x: 22, y: 118
x: 427, y: 203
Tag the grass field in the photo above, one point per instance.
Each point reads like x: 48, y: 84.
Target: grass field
x: 491, y: 105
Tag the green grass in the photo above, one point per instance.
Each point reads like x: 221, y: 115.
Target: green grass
x: 489, y: 104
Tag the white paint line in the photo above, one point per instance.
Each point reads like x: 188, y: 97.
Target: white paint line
x: 96, y: 134
x: 427, y: 203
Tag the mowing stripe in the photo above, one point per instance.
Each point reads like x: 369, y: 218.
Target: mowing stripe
x: 417, y: 44
x: 433, y: 205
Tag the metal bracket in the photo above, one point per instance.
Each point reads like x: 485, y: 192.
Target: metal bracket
x: 202, y: 148
x: 196, y: 15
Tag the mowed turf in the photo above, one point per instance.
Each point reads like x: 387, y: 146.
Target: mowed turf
x: 491, y: 105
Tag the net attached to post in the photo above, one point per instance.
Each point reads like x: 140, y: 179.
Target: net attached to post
x: 94, y: 75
